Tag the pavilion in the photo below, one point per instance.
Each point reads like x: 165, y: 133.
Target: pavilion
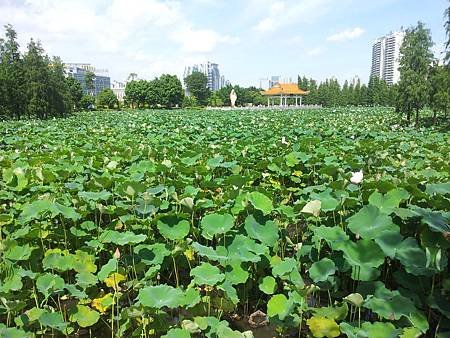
x: 284, y: 91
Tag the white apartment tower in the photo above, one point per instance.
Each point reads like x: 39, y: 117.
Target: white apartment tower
x: 386, y: 57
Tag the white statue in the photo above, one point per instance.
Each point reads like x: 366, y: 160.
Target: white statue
x: 233, y: 98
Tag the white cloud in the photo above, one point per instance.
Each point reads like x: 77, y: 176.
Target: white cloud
x: 314, y: 51
x: 145, y: 36
x: 201, y: 40
x: 345, y: 35
x: 279, y: 14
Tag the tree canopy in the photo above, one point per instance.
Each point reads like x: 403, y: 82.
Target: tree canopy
x: 197, y: 86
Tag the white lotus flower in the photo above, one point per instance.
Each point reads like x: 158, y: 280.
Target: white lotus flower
x: 357, y: 177
x: 283, y: 140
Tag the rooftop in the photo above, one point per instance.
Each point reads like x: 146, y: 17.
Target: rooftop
x: 285, y: 89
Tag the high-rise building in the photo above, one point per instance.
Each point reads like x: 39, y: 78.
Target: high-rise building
x: 211, y: 70
x: 386, y: 57
x: 79, y: 70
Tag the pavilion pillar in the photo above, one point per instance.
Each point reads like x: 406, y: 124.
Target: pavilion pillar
x: 300, y: 100
x: 268, y: 102
x: 296, y: 98
x: 281, y: 100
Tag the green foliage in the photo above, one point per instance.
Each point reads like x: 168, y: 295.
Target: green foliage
x: 197, y: 86
x: 32, y: 85
x: 75, y: 92
x: 168, y: 222
x: 165, y: 91
x: 415, y: 58
x: 107, y: 99
x: 87, y: 102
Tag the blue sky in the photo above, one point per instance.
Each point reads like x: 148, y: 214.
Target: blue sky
x: 250, y: 39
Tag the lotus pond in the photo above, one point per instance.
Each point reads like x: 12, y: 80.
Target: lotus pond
x: 224, y: 224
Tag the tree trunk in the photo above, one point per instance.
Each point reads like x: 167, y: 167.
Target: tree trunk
x: 417, y: 117
x: 434, y: 118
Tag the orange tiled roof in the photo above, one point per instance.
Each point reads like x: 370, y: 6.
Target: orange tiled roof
x: 285, y: 89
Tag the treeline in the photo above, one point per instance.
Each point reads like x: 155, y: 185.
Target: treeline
x: 330, y: 93
x: 165, y: 91
x: 32, y: 85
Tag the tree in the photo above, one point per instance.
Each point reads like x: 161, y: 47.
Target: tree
x: 171, y: 92
x: 75, y: 91
x: 89, y: 78
x: 37, y: 80
x: 415, y: 58
x: 87, y: 102
x: 60, y: 99
x: 136, y: 93
x: 439, y: 82
x: 107, y: 98
x: 197, y: 85
x: 12, y: 76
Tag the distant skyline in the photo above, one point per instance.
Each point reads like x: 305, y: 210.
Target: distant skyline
x: 249, y: 40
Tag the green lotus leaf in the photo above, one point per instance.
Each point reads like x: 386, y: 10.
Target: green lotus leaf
x: 245, y: 249
x: 364, y: 273
x: 388, y: 202
x: 220, y: 254
x: 86, y: 279
x: 173, y: 228
x: 235, y: 274
x: 121, y: 238
x: 11, y: 283
x: 268, y: 285
x: 261, y: 202
x: 393, y: 308
x: 436, y: 221
x: 323, y: 327
x: 412, y: 257
x: 438, y: 188
x: 216, y: 224
x: 49, y: 283
x: 332, y: 312
x: 230, y: 291
x: 265, y: 231
x: 207, y: 274
x: 53, y: 320
x: 13, y: 332
x: 161, y: 296
x: 84, y: 316
x: 334, y: 236
x: 94, y: 196
x: 107, y: 269
x: 152, y: 254
x: 321, y: 270
x: 280, y: 306
x: 410, y: 332
x: 369, y: 222
x: 177, y: 333
x: 376, y: 330
x: 18, y: 253
x: 363, y: 252
x: 191, y: 297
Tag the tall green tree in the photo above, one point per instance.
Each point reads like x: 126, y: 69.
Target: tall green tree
x: 136, y: 93
x: 59, y: 94
x: 89, y: 78
x: 415, y: 58
x: 37, y: 78
x: 171, y: 91
x: 12, y: 76
x: 75, y: 91
x: 107, y: 98
x: 197, y: 85
x: 439, y: 82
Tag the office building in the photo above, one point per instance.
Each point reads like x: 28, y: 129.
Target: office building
x: 212, y: 72
x: 79, y: 70
x: 386, y: 57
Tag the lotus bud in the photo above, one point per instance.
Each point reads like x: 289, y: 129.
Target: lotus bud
x: 116, y: 254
